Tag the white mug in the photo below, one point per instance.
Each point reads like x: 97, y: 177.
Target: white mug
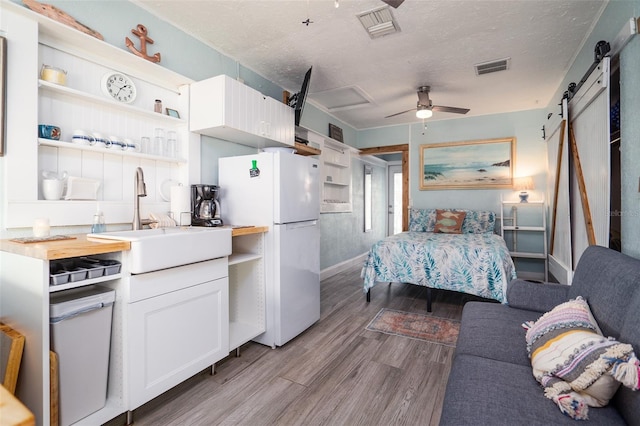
x: 101, y: 141
x: 52, y: 189
x: 82, y: 138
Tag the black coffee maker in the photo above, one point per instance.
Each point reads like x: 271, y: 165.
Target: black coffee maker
x: 205, y: 207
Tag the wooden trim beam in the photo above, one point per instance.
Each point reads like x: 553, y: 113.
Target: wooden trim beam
x: 586, y: 210
x: 392, y: 149
x: 556, y: 186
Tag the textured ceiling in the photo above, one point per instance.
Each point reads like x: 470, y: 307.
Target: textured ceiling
x: 438, y: 45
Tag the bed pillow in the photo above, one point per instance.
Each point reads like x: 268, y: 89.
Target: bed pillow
x: 478, y: 222
x: 577, y: 366
x: 449, y: 221
x: 422, y: 220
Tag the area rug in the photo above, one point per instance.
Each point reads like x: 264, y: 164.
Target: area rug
x: 442, y: 331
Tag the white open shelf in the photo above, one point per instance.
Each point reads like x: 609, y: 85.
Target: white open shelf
x: 91, y: 148
x: 82, y: 283
x: 247, y: 289
x: 99, y: 100
x: 237, y: 258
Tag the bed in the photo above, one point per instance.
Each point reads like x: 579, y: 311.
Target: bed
x: 475, y: 261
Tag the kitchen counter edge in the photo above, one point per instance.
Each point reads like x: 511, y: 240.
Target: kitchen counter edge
x: 62, y: 249
x: 248, y: 230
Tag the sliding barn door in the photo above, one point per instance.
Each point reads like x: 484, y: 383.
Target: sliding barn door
x: 560, y: 253
x: 589, y: 118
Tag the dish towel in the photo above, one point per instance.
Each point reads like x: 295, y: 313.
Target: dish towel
x: 161, y: 221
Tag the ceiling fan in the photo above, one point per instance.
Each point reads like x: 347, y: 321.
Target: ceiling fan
x: 393, y: 3
x: 425, y: 107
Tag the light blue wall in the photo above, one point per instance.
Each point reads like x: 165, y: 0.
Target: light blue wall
x: 530, y: 154
x: 315, y: 119
x: 343, y: 235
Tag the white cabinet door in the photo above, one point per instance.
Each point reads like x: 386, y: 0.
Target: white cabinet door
x: 176, y: 335
x: 274, y: 112
x: 224, y: 108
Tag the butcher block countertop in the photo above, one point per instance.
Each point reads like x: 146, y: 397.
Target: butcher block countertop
x: 79, y: 245
x: 237, y: 231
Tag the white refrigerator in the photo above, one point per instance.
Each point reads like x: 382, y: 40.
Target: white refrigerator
x: 280, y: 190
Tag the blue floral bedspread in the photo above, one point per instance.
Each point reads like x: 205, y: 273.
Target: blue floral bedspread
x: 477, y: 264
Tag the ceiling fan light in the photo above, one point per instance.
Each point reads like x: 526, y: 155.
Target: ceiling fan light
x: 424, y: 113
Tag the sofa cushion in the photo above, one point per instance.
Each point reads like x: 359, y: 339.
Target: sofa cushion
x: 626, y: 400
x: 494, y: 331
x: 608, y: 281
x: 483, y: 391
x: 535, y: 296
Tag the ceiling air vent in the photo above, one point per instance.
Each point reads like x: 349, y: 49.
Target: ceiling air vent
x: 379, y: 22
x: 493, y: 66
x: 342, y: 98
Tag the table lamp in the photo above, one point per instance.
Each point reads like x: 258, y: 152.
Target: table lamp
x: 523, y: 184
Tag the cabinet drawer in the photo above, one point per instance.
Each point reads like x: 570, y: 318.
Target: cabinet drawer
x: 144, y: 286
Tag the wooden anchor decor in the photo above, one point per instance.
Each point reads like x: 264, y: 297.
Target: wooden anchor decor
x: 141, y: 32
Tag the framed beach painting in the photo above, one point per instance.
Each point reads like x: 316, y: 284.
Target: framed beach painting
x: 479, y: 164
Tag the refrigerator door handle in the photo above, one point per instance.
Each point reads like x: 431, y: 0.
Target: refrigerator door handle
x: 305, y: 224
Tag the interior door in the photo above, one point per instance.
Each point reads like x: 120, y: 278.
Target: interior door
x: 589, y: 117
x: 394, y: 218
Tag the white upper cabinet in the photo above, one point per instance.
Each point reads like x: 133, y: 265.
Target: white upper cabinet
x: 226, y: 109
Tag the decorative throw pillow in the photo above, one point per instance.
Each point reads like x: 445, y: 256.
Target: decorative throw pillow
x: 574, y: 362
x: 449, y: 222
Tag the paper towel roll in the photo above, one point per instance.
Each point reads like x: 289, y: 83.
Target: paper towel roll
x: 181, y: 204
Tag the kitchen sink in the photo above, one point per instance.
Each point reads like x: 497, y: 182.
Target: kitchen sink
x: 161, y: 248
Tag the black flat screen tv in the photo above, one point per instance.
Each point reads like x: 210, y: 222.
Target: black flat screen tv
x: 301, y: 96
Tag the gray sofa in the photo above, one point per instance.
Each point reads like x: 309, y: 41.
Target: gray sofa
x: 491, y: 380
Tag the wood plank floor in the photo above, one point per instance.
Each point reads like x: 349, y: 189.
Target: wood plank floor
x: 335, y: 373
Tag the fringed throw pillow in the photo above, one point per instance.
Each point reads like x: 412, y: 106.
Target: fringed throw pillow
x: 577, y: 366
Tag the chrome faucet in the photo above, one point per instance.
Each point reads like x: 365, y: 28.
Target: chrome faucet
x: 139, y: 190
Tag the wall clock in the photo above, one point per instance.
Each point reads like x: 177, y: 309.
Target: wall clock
x: 119, y: 87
